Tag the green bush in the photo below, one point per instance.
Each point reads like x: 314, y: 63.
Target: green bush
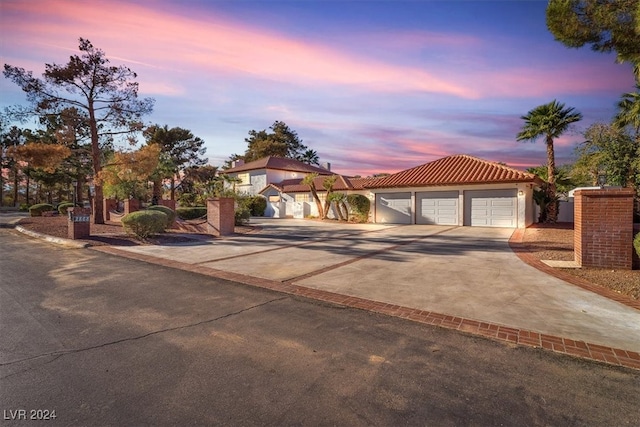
x: 170, y: 213
x: 636, y: 243
x: 24, y: 207
x: 242, y: 214
x: 144, y: 223
x: 36, y: 210
x: 193, y: 212
x: 63, y: 207
x: 360, y: 206
x: 257, y: 205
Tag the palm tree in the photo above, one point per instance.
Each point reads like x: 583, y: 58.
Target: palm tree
x: 310, y: 157
x: 550, y: 121
x: 629, y: 113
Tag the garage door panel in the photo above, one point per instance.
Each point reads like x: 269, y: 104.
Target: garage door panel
x: 491, y: 208
x: 437, y: 207
x: 393, y: 208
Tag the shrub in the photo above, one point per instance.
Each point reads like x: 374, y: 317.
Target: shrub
x: 360, y: 206
x: 257, y: 205
x: 636, y: 243
x: 170, y: 213
x: 36, y: 210
x: 242, y: 214
x: 145, y: 223
x: 193, y: 212
x: 24, y: 207
x: 63, y: 207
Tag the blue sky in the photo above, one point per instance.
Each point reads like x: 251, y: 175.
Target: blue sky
x: 372, y: 86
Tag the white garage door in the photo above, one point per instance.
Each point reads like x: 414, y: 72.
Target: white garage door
x: 491, y: 208
x: 437, y: 207
x: 393, y: 208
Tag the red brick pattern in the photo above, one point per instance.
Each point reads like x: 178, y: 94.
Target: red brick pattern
x: 603, y: 229
x: 79, y: 223
x: 131, y: 205
x: 221, y: 216
x: 109, y: 205
x: 493, y: 331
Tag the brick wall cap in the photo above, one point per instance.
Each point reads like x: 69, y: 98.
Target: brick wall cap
x: 604, y: 192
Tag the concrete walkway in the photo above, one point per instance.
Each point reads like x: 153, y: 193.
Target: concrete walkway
x: 466, y: 272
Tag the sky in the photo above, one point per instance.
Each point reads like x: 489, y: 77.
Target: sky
x: 372, y: 86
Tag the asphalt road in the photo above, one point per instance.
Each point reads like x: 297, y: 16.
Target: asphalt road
x: 102, y: 340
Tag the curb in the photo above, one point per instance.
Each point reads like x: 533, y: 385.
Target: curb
x: 57, y: 240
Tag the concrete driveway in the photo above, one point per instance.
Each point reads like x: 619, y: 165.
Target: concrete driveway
x: 469, y: 272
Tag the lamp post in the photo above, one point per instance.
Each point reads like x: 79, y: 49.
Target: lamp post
x: 602, y: 179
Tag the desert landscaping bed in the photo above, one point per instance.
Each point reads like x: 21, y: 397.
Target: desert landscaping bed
x: 544, y: 242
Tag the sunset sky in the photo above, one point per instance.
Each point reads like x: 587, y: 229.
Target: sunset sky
x: 372, y: 86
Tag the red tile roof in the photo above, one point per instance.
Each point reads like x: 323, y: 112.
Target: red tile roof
x: 279, y: 163
x: 343, y: 183
x: 453, y: 170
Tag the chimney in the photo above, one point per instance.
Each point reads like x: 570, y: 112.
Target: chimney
x: 236, y: 163
x: 326, y: 165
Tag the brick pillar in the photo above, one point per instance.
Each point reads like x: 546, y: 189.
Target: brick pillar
x: 603, y: 228
x: 221, y: 216
x: 131, y: 205
x: 109, y: 205
x: 171, y: 204
x: 79, y: 224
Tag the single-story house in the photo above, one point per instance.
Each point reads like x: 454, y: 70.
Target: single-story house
x: 455, y: 190
x: 252, y: 177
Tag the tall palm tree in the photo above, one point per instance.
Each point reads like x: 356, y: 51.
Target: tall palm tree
x: 549, y: 121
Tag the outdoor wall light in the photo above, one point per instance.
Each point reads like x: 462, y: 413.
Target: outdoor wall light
x: 520, y: 193
x: 602, y: 180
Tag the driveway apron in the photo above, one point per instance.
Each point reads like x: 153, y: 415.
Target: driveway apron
x: 469, y: 272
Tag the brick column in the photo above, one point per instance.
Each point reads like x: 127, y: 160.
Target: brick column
x: 221, y: 216
x: 79, y: 224
x: 109, y: 205
x: 131, y: 205
x: 171, y: 204
x: 603, y: 228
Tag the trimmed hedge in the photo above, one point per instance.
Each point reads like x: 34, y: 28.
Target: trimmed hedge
x: 144, y: 223
x: 36, y: 210
x: 194, y: 212
x: 360, y: 206
x: 63, y: 207
x: 170, y: 213
x: 636, y: 243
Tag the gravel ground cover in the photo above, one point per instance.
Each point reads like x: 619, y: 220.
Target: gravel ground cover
x: 555, y: 242
x: 545, y: 242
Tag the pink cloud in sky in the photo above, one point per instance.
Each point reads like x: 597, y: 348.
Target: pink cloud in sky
x: 144, y: 34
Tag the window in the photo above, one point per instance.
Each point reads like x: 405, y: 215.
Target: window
x: 274, y: 199
x: 303, y: 197
x: 244, y: 179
